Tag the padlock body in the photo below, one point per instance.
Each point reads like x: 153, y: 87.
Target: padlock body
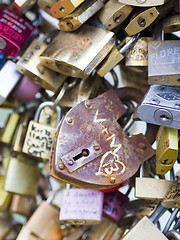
x: 21, y: 178
x: 172, y: 198
x: 79, y: 206
x: 38, y: 140
x: 5, y: 197
x: 163, y: 62
x: 15, y: 31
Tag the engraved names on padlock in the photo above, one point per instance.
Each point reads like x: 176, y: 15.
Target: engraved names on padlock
x: 38, y: 140
x: 81, y: 206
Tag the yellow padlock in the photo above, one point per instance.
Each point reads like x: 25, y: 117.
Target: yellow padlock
x: 5, y: 197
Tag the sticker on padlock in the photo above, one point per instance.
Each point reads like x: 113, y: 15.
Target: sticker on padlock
x: 143, y: 3
x: 167, y: 149
x: 163, y: 62
x: 63, y: 8
x: 85, y: 11
x: 9, y: 77
x: 90, y: 46
x: 115, y: 56
x: 81, y: 206
x: 22, y: 176
x: 39, y: 137
x: 138, y: 54
x: 113, y: 14
x: 172, y: 198
x: 30, y: 66
x: 98, y: 156
x: 161, y: 106
x: 15, y: 31
x: 114, y: 205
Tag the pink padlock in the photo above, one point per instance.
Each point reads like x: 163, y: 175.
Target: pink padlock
x: 25, y: 90
x: 14, y: 32
x: 81, y: 206
x: 114, y: 205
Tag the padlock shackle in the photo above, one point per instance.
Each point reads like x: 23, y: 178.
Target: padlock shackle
x: 170, y: 221
x: 173, y: 235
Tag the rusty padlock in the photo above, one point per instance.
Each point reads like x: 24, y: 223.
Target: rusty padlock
x: 91, y: 150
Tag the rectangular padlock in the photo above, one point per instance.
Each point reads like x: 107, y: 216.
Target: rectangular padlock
x: 63, y: 8
x: 5, y: 196
x: 151, y: 188
x: 15, y: 31
x: 113, y: 14
x: 9, y: 77
x: 147, y: 208
x: 167, y: 149
x: 81, y: 206
x: 85, y: 11
x: 30, y: 66
x: 78, y: 53
x: 163, y: 62
x: 143, y: 3
x: 161, y: 106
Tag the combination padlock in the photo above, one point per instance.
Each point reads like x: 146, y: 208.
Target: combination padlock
x: 39, y: 137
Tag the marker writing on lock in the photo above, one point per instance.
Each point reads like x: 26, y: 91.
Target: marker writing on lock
x: 112, y: 165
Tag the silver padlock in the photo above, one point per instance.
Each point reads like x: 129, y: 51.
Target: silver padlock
x: 161, y: 106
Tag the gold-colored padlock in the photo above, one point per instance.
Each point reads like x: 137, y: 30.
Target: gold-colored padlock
x: 167, y: 149
x: 30, y: 66
x: 147, y: 17
x: 147, y: 208
x: 172, y: 198
x: 22, y: 176
x: 78, y: 53
x: 63, y: 8
x: 9, y: 128
x: 39, y: 137
x: 143, y: 3
x: 5, y: 196
x: 138, y: 53
x: 171, y: 24
x: 114, y: 13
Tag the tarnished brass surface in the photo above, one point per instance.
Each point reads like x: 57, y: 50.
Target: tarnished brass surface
x: 80, y: 15
x: 64, y: 7
x: 171, y: 24
x: 95, y: 121
x: 29, y: 65
x: 172, y: 198
x: 77, y: 53
x: 114, y: 13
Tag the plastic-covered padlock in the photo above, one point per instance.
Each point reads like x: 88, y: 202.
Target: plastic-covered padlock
x: 39, y: 137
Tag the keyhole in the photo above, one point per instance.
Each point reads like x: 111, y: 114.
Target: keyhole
x: 84, y: 153
x: 164, y: 118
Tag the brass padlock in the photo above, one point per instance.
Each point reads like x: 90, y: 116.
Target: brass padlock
x: 167, y: 149
x: 171, y: 24
x: 29, y: 65
x: 172, y: 198
x: 9, y: 128
x: 5, y: 196
x: 22, y: 205
x: 39, y: 137
x: 22, y: 176
x: 163, y: 62
x: 143, y: 3
x: 78, y: 53
x: 115, y: 56
x: 103, y: 231
x: 93, y: 156
x: 82, y: 90
x: 138, y: 53
x: 147, y: 208
x: 147, y: 17
x: 113, y: 14
x: 85, y: 11
x: 63, y: 8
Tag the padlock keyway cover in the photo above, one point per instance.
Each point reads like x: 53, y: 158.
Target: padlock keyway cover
x: 90, y: 148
